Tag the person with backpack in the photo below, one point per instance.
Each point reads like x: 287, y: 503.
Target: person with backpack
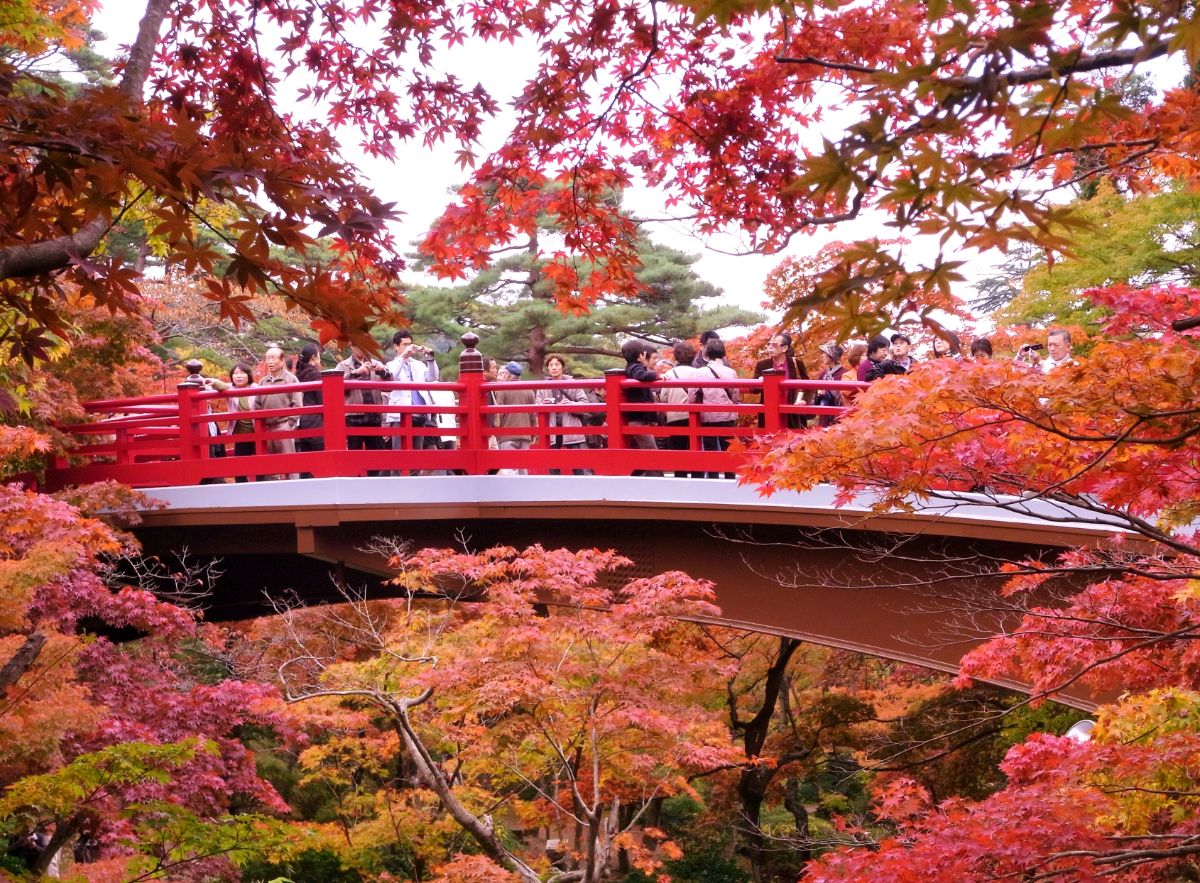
x: 716, y: 398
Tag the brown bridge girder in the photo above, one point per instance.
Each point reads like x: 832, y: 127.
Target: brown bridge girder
x: 890, y: 586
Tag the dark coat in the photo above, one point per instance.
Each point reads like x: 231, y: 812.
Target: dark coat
x: 308, y: 374
x: 641, y: 395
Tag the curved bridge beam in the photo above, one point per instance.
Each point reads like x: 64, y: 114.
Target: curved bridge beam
x: 915, y: 587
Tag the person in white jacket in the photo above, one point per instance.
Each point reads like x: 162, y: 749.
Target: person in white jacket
x: 409, y: 366
x: 685, y: 353
x: 716, y: 397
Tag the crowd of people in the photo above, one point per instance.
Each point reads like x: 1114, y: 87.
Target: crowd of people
x: 883, y: 355
x: 515, y: 421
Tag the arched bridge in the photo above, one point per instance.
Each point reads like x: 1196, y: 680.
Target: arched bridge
x: 914, y: 587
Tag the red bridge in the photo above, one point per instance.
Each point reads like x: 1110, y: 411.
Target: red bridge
x: 915, y: 587
x: 170, y: 440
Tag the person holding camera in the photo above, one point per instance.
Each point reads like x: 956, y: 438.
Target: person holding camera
x: 360, y: 366
x: 1030, y: 355
x: 1058, y: 350
x: 404, y: 338
x: 410, y: 366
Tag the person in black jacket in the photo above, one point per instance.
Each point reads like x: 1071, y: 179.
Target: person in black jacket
x: 639, y: 356
x: 308, y: 370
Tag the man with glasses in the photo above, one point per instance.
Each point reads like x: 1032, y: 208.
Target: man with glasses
x: 780, y: 357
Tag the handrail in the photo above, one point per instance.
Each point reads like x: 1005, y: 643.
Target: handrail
x: 189, y: 438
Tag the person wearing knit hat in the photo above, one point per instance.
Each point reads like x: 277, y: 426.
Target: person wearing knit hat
x: 519, y: 423
x: 832, y: 370
x: 833, y: 350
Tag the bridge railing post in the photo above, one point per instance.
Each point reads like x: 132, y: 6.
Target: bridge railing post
x: 121, y: 440
x: 772, y: 400
x: 189, y: 446
x: 613, y: 423
x: 470, y: 373
x: 333, y: 399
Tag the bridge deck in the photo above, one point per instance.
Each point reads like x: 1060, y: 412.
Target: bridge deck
x: 914, y: 586
x: 326, y: 501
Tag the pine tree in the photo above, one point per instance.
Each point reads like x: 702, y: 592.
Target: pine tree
x: 511, y: 305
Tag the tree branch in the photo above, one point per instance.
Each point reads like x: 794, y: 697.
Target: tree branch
x: 20, y: 662
x: 36, y: 258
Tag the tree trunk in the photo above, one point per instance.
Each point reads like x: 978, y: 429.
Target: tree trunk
x: 537, y: 351
x: 752, y: 790
x: 480, y: 830
x: 755, y: 780
x: 21, y: 661
x: 537, y: 334
x: 793, y: 803
x: 63, y: 831
x: 602, y: 827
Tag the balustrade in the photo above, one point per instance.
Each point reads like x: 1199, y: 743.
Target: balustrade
x: 184, y: 439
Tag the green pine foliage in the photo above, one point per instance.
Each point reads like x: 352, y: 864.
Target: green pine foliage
x: 510, y: 305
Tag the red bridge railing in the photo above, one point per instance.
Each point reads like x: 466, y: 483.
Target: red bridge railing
x: 185, y: 439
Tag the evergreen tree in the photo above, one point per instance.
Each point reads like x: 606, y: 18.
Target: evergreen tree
x: 511, y: 306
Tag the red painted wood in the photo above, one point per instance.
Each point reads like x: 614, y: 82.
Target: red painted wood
x: 164, y: 440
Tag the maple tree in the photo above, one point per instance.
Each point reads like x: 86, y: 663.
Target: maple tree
x: 822, y: 728
x: 960, y: 120
x: 785, y: 757
x: 1140, y: 240
x: 869, y: 306
x: 558, y: 704
x: 116, y: 740
x: 209, y: 134
x: 944, y: 109
x: 1109, y: 441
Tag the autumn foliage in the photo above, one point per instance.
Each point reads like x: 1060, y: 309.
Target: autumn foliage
x: 104, y: 739
x: 532, y: 690
x: 563, y: 698
x: 1107, y: 442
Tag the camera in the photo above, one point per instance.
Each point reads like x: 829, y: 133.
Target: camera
x: 1032, y: 347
